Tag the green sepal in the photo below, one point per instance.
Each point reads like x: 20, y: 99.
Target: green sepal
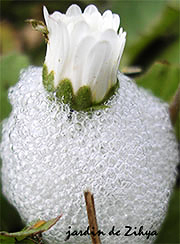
x: 83, y: 99
x: 48, y: 79
x: 64, y: 91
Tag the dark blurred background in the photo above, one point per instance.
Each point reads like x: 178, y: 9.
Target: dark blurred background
x: 151, y: 56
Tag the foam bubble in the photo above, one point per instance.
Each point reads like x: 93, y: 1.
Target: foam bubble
x: 126, y: 155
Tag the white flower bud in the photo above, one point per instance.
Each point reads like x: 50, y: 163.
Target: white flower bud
x: 85, y: 49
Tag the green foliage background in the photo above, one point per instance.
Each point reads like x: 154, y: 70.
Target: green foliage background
x: 152, y: 44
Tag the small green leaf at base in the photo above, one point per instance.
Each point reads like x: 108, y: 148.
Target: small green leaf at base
x: 33, y: 230
x: 64, y: 91
x: 83, y: 99
x: 48, y: 79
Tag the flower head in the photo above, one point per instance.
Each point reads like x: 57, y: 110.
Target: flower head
x: 83, y: 53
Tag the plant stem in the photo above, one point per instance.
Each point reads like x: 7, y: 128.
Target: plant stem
x: 90, y: 207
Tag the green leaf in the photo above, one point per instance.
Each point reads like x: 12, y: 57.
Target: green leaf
x: 165, y: 28
x: 162, y: 79
x: 170, y: 230
x: 31, y: 230
x: 149, y: 23
x: 6, y: 239
x: 10, y: 67
x: 142, y: 13
x: 171, y: 53
x: 6, y: 209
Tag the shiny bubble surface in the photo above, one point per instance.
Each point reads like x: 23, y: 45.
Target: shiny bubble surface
x: 126, y: 155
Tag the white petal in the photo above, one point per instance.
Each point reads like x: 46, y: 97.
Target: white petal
x: 96, y: 69
x: 71, y: 22
x: 107, y: 20
x: 91, y: 9
x: 94, y: 21
x: 124, y: 34
x: 108, y: 15
x: 120, y: 31
x: 122, y: 41
x: 57, y: 48
x: 73, y: 10
x: 101, y: 87
x: 57, y: 16
x: 114, y: 71
x: 79, y: 31
x: 111, y: 36
x: 79, y: 61
x: 46, y: 15
x: 116, y: 21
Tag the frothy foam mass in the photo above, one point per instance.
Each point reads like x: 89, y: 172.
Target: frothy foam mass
x: 126, y: 155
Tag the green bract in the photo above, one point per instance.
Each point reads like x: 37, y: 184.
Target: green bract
x: 48, y: 79
x: 82, y: 100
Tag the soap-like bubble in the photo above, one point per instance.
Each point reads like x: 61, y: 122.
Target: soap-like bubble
x: 125, y: 154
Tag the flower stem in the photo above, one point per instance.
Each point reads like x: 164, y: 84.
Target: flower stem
x: 90, y: 207
x: 174, y: 106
